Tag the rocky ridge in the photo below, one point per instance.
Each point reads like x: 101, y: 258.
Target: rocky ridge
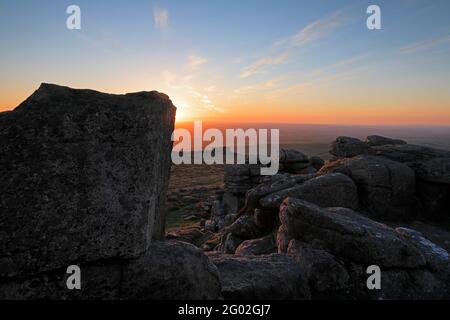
x: 334, y: 220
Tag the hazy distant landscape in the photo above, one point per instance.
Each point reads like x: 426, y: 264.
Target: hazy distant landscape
x: 315, y: 139
x: 190, y: 184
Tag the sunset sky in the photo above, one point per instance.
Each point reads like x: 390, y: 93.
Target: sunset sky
x: 250, y: 60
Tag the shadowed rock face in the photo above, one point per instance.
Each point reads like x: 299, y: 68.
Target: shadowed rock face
x: 83, y: 177
x: 348, y: 234
x: 171, y: 270
x: 334, y: 247
x: 265, y: 277
x: 329, y: 190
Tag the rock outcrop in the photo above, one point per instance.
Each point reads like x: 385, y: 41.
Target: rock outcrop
x: 431, y: 167
x: 347, y: 234
x: 321, y: 220
x: 329, y: 190
x: 335, y: 246
x: 375, y: 141
x: 84, y: 177
x: 385, y: 187
x: 345, y: 147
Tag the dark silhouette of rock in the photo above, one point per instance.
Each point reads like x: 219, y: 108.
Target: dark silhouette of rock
x: 435, y: 200
x: 436, y: 170
x: 344, y: 233
x: 84, y: 176
x: 334, y: 247
x: 412, y: 155
x: 375, y: 140
x: 344, y: 147
x: 326, y: 275
x: 431, y: 167
x: 433, y: 185
x: 386, y: 188
x: 271, y: 185
x: 264, y: 245
x: 245, y: 228
x: 266, y: 218
x: 437, y: 258
x: 330, y: 190
x: 265, y: 277
x: 317, y: 162
x: 189, y: 234
x: 100, y: 280
x: 229, y: 243
x: 293, y: 156
x: 171, y: 270
x: 295, y: 162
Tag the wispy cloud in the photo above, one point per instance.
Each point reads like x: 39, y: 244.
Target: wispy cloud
x: 260, y: 64
x: 161, y: 18
x: 316, y: 30
x: 312, y: 32
x: 425, y: 45
x: 195, y: 61
x: 183, y: 88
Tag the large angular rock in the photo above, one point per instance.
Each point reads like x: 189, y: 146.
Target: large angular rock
x: 435, y: 170
x: 344, y: 147
x: 83, y: 177
x: 437, y: 258
x: 241, y: 177
x: 229, y: 243
x: 264, y: 245
x: 170, y: 271
x: 382, y: 141
x: 410, y: 154
x: 99, y: 281
x: 244, y: 227
x: 317, y: 162
x: 293, y: 156
x: 398, y: 284
x: 272, y: 185
x: 346, y: 234
x: 265, y: 277
x: 330, y: 190
x: 386, y: 188
x: 326, y: 275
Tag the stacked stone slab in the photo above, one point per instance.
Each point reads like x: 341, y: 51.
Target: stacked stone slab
x: 238, y: 180
x: 395, y: 179
x: 348, y: 243
x: 293, y: 161
x: 84, y: 178
x: 432, y: 170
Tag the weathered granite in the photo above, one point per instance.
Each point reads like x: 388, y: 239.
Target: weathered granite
x: 84, y: 176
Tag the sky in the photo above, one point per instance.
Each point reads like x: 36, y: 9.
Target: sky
x: 284, y: 61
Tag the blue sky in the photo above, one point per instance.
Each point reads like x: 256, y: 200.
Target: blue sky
x: 302, y: 60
